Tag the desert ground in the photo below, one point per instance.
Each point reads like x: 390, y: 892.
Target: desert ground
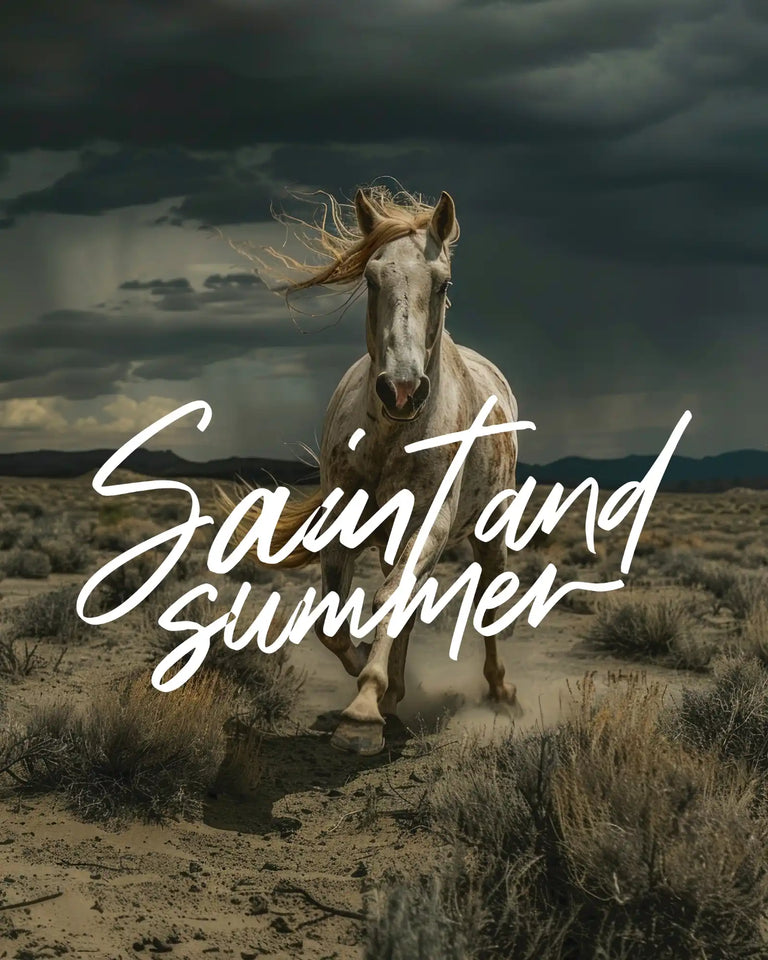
x: 291, y: 849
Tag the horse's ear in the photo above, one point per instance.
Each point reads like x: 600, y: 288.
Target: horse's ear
x: 367, y: 217
x: 443, y: 223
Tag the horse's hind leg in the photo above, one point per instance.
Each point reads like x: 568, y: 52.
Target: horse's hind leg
x: 492, y: 557
x: 338, y: 567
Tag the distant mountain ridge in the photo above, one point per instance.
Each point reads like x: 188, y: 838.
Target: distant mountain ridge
x: 738, y: 468
x: 154, y: 463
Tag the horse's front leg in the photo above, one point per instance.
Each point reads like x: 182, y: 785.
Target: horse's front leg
x: 338, y: 566
x: 396, y: 666
x: 361, y: 729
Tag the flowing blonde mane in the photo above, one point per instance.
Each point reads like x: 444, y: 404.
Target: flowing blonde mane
x: 334, y: 237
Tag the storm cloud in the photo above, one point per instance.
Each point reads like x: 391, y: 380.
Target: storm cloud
x: 609, y: 161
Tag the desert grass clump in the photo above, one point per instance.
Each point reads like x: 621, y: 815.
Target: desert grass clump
x: 753, y: 633
x: 417, y: 922
x: 528, y: 566
x: 123, y: 534
x: 579, y: 555
x: 27, y: 564
x: 737, y: 590
x: 51, y: 616
x: 133, y: 751
x: 10, y: 533
x: 17, y: 661
x: 659, y: 629
x: 652, y: 541
x: 602, y: 837
x: 730, y: 717
x: 67, y: 554
x: 746, y: 592
x: 267, y: 684
x: 33, y: 509
x: 122, y: 584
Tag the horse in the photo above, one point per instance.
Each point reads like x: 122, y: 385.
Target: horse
x: 414, y: 382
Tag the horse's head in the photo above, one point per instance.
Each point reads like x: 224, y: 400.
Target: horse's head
x: 408, y: 279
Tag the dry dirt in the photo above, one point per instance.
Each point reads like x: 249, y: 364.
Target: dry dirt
x: 320, y: 828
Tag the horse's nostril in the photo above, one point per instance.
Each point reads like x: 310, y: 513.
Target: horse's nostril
x: 386, y: 390
x: 404, y: 391
x: 399, y: 394
x: 422, y: 391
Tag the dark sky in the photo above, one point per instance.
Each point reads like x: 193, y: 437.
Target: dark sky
x: 608, y: 158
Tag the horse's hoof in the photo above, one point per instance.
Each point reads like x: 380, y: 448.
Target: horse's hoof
x: 502, y: 692
x: 505, y: 696
x: 360, y: 737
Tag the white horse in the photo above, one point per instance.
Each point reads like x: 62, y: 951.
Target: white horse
x: 414, y: 383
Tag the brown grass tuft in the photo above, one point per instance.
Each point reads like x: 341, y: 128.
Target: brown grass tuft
x: 133, y: 751
x: 603, y: 837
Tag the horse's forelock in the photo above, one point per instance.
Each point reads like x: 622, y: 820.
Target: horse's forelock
x: 342, y: 243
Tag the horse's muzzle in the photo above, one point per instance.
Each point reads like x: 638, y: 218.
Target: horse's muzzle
x: 402, y: 399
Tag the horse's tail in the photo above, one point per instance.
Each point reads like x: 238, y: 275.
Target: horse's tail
x: 294, y: 513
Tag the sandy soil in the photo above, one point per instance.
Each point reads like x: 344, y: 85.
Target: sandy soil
x: 327, y: 823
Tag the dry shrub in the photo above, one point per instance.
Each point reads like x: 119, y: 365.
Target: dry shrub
x: 67, y: 554
x: 123, y: 534
x: 601, y: 838
x: 51, y: 616
x: 738, y: 590
x: 10, y: 533
x: 169, y: 512
x: 730, y: 717
x: 122, y: 584
x: 528, y: 565
x: 133, y: 751
x: 753, y: 636
x: 267, y: 685
x: 30, y: 508
x: 17, y: 661
x: 755, y: 557
x: 652, y: 541
x: 416, y: 922
x: 580, y: 555
x: 748, y: 591
x: 651, y: 629
x: 27, y: 564
x: 127, y: 578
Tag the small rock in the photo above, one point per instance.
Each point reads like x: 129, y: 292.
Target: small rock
x: 281, y: 925
x: 159, y: 947
x: 360, y: 870
x: 259, y: 905
x: 138, y: 945
x: 195, y: 867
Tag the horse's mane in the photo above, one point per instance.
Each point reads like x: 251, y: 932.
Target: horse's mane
x: 334, y: 237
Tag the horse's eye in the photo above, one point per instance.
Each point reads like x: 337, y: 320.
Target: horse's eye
x: 444, y: 287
